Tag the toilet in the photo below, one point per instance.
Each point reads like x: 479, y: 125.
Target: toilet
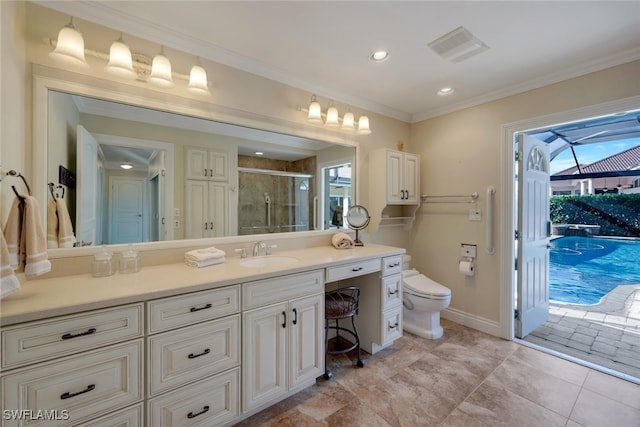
x: 422, y: 301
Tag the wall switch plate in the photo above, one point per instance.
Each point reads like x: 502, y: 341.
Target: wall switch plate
x: 475, y: 214
x: 176, y: 223
x: 176, y: 211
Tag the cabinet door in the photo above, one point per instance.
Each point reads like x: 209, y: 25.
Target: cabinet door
x: 217, y: 206
x: 411, y: 175
x: 264, y: 355
x: 196, y: 209
x: 196, y: 166
x: 218, y: 169
x: 394, y: 178
x: 306, y: 334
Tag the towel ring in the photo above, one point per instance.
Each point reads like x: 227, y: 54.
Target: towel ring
x: 13, y: 187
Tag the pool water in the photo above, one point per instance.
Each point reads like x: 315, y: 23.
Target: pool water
x: 584, y: 269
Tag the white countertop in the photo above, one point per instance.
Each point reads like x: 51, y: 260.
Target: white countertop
x: 40, y: 299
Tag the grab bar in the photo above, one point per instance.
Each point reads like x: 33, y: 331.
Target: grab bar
x: 490, y: 247
x: 473, y: 196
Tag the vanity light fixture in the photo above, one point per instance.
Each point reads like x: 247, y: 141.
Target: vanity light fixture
x: 332, y: 118
x: 120, y: 63
x: 70, y: 46
x: 126, y: 165
x: 161, y: 70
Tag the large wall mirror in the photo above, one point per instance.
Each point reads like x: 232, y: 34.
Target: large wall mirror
x: 133, y: 173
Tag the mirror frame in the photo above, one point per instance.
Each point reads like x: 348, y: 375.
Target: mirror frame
x: 46, y: 79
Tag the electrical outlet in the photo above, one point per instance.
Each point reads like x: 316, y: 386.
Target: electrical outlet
x: 475, y: 214
x: 176, y: 223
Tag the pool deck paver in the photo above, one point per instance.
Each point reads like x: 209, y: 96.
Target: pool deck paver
x: 605, y: 334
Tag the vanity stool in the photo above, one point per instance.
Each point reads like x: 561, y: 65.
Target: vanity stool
x: 341, y: 304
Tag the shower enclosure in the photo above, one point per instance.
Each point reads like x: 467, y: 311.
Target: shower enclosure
x: 271, y: 201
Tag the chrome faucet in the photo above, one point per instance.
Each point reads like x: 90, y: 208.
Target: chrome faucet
x: 259, y: 245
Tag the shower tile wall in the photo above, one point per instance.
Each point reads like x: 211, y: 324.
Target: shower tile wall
x: 291, y: 205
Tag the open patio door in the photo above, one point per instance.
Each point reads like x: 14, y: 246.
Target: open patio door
x: 534, y: 229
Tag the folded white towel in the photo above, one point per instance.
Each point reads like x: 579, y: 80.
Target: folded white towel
x: 8, y: 281
x: 204, y: 263
x: 342, y: 241
x: 204, y: 254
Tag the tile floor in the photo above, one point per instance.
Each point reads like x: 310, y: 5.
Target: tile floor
x: 606, y: 334
x: 467, y: 378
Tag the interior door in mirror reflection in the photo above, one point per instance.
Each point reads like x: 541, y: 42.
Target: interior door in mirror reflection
x: 89, y: 174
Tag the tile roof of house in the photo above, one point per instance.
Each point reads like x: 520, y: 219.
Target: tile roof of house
x: 624, y: 161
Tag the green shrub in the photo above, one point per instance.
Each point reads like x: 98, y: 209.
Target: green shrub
x: 616, y: 214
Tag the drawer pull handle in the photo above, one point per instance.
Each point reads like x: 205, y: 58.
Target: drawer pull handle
x: 393, y: 292
x: 393, y: 326
x: 68, y: 395
x: 393, y: 265
x: 284, y: 322
x: 201, y: 308
x: 193, y: 356
x: 81, y: 334
x: 192, y: 415
x: 356, y: 269
x: 295, y: 316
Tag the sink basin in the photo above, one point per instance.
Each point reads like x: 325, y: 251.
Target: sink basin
x: 268, y: 261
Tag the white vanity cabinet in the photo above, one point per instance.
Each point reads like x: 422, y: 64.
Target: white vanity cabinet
x: 283, y: 336
x: 380, y: 304
x: 203, y: 164
x: 193, y: 360
x: 73, y: 369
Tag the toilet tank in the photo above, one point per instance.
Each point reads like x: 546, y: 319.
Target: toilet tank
x: 406, y: 262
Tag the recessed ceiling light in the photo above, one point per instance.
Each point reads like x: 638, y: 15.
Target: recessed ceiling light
x: 379, y: 56
x: 259, y: 153
x: 126, y: 165
x: 446, y: 91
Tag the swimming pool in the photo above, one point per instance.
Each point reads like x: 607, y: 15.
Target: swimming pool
x: 584, y: 269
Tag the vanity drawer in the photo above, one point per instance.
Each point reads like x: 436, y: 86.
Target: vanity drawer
x: 130, y: 417
x: 391, y: 325
x: 391, y: 265
x: 278, y: 289
x: 353, y: 269
x: 42, y: 340
x: 391, y: 291
x: 178, y: 357
x: 211, y: 402
x: 184, y: 310
x: 84, y: 386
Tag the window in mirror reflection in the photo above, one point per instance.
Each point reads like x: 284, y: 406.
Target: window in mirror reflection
x: 337, y: 184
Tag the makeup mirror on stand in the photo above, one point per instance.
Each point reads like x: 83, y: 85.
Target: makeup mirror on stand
x: 358, y: 219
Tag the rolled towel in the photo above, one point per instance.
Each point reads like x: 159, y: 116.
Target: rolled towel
x: 204, y: 263
x: 199, y: 255
x: 342, y: 241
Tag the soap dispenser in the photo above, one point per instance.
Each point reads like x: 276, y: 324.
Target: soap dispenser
x: 129, y: 261
x: 101, y: 265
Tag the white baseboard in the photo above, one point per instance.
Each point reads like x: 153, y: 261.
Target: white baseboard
x: 476, y: 322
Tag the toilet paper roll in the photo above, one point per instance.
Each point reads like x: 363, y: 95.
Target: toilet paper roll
x: 467, y: 268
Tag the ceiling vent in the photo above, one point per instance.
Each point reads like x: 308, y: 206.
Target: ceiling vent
x: 458, y: 45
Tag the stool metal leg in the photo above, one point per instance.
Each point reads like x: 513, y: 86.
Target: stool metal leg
x: 360, y: 363
x: 327, y: 372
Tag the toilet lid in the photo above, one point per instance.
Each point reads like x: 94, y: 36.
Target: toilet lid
x: 422, y: 285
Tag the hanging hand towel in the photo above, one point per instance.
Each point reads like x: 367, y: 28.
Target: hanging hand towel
x: 66, y: 238
x: 342, y: 241
x: 35, y: 241
x: 8, y: 281
x: 12, y: 233
x: 59, y: 228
